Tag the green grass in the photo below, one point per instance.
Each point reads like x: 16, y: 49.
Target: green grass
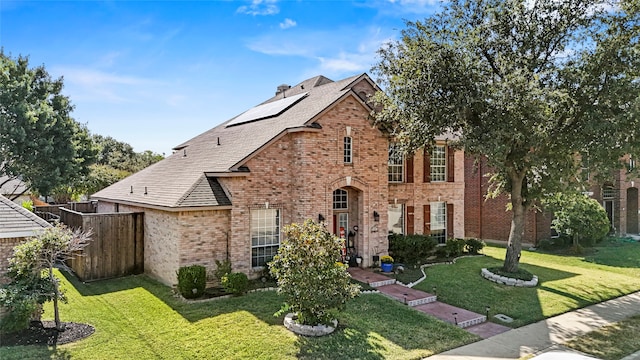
x: 138, y: 318
x: 565, y: 282
x: 611, y: 342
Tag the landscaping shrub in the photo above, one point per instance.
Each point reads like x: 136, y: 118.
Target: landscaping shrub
x: 222, y: 268
x: 235, y: 283
x: 309, y: 276
x: 192, y: 280
x: 411, y: 249
x: 19, y: 309
x: 455, y: 247
x: 583, y: 219
x: 473, y: 246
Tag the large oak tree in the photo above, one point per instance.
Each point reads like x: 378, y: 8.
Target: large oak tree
x: 40, y: 142
x: 528, y: 85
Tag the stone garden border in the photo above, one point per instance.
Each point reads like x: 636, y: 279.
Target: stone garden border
x: 508, y: 281
x: 308, y: 330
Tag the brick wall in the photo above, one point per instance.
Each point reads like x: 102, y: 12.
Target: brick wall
x: 420, y: 193
x: 488, y: 218
x: 6, y: 251
x: 299, y: 173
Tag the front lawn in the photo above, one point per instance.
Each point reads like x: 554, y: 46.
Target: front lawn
x: 565, y: 282
x: 138, y: 318
x: 611, y: 342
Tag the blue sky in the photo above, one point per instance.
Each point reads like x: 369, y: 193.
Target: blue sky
x: 156, y: 73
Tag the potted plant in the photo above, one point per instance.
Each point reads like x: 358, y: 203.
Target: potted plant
x: 386, y: 263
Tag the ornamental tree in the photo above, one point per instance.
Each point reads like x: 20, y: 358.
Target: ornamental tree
x: 578, y: 216
x: 33, y: 262
x: 528, y: 85
x: 309, y: 274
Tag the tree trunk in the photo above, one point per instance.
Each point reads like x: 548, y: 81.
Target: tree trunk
x: 514, y: 246
x: 56, y: 294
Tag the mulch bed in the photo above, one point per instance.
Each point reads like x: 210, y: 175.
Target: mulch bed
x: 45, y: 333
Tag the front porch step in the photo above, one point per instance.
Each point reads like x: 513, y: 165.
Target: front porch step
x: 369, y: 277
x: 451, y: 314
x: 407, y: 295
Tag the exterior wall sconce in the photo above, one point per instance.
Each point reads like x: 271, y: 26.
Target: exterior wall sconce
x: 320, y: 218
x: 376, y: 216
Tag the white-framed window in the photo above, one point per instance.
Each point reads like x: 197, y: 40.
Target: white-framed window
x: 340, y: 199
x: 265, y: 235
x: 348, y: 150
x: 396, y: 219
x: 438, y: 163
x: 396, y: 164
x: 439, y: 222
x: 343, y: 223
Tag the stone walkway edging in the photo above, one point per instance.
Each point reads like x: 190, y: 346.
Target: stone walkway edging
x: 507, y: 280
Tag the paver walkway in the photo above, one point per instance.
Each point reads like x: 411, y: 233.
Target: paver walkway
x: 547, y: 334
x: 428, y: 304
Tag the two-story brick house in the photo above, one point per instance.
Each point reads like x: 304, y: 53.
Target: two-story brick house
x: 310, y: 151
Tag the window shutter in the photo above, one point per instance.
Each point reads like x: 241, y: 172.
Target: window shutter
x: 427, y: 219
x: 410, y: 221
x: 450, y: 164
x: 449, y: 220
x: 427, y: 166
x: 409, y: 169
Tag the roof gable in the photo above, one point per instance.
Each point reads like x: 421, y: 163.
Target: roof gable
x: 16, y: 221
x: 224, y: 149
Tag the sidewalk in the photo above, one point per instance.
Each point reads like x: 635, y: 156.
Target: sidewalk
x: 541, y: 336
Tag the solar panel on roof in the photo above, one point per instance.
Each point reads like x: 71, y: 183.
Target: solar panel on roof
x: 267, y: 110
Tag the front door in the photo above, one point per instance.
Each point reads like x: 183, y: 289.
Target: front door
x: 608, y: 206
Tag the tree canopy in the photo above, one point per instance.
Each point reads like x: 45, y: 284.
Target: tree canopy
x: 40, y: 142
x: 527, y: 85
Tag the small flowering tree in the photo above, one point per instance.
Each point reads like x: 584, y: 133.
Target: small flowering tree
x: 309, y: 274
x: 33, y: 262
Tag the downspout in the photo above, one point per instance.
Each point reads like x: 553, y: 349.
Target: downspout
x: 480, y: 202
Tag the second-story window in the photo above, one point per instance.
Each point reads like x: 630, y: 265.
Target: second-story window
x: 396, y: 164
x: 439, y: 163
x: 348, y: 150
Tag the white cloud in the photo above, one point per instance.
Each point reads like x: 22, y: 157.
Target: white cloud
x: 338, y: 52
x: 260, y: 7
x: 395, y: 7
x: 288, y: 23
x: 90, y: 84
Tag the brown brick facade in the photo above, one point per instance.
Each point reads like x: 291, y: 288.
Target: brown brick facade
x: 6, y: 252
x: 489, y: 219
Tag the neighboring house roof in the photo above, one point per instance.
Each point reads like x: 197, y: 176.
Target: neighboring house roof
x: 16, y: 221
x: 187, y: 177
x: 12, y: 187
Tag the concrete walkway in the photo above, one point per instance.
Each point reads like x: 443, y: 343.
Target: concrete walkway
x: 428, y: 304
x: 547, y: 334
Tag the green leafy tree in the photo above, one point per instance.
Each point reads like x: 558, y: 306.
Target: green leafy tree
x: 39, y: 141
x: 115, y: 160
x: 309, y: 274
x: 32, y: 263
x: 578, y: 216
x: 527, y: 85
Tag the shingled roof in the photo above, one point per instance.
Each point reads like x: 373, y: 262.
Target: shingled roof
x: 187, y: 177
x: 18, y: 222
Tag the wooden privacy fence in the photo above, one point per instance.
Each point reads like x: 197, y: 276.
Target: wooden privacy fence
x: 116, y: 248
